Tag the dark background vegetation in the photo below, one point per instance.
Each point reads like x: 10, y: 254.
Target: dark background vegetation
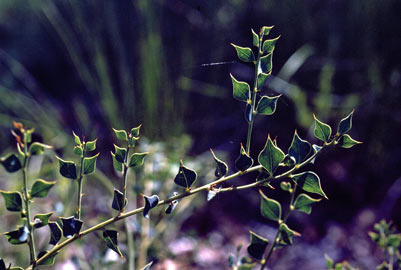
x: 92, y: 65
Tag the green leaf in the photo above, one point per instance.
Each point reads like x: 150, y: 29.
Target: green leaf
x: 299, y: 149
x: 78, y: 150
x: 41, y: 220
x: 266, y: 30
x: 244, y: 161
x: 257, y: 246
x: 147, y: 267
x: 310, y: 182
x: 41, y: 188
x: 346, y: 141
x: 255, y: 39
x: 137, y: 159
x: 289, y: 161
x: 17, y: 237
x: 118, y: 200
x: 221, y: 167
x: 244, y: 54
x: 110, y: 237
x: 118, y: 166
x: 121, y: 134
x: 269, y: 44
x: 246, y: 266
x: 271, y: 156
x: 91, y: 145
x: 270, y: 208
x: 135, y: 131
x: 150, y: 202
x: 55, y: 233
x: 329, y: 262
x: 241, y: 90
x: 71, y: 226
x: 304, y: 203
x: 394, y: 240
x: 267, y: 105
x: 262, y: 77
x: 322, y: 130
x: 16, y: 268
x: 345, y: 124
x: 266, y: 64
x: 11, y: 163
x: 48, y: 261
x: 286, y: 234
x: 185, y: 177
x: 76, y: 139
x: 38, y: 148
x: 120, y: 153
x: 248, y: 113
x: 13, y: 200
x: 68, y: 169
x: 90, y: 164
x: 286, y: 186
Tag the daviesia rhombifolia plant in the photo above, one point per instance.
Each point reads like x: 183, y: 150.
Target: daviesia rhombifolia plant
x: 273, y: 165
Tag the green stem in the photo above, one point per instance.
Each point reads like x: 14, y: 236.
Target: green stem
x: 125, y: 173
x: 130, y: 246
x: 79, y: 201
x: 205, y: 187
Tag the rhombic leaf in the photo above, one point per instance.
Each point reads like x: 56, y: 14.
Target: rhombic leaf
x: 89, y: 165
x: 38, y: 148
x: 267, y: 105
x: 268, y: 45
x: 304, y: 203
x: 270, y: 208
x: 91, y: 145
x: 347, y: 142
x: 50, y: 260
x: 266, y: 30
x: 71, y: 226
x: 118, y: 166
x: 76, y: 138
x: 137, y: 159
x: 120, y: 153
x: 299, y: 149
x: 244, y: 54
x: 121, y: 134
x: 309, y: 182
x: 286, y: 234
x: 255, y: 39
x: 221, y: 167
x: 41, y: 188
x: 185, y: 177
x: 110, y: 237
x: 41, y: 220
x: 257, y: 246
x: 147, y: 267
x: 11, y: 163
x: 19, y: 236
x: 271, y: 156
x: 345, y: 124
x: 150, y: 202
x: 118, y: 200
x: 266, y: 64
x: 55, y: 233
x: 68, y: 169
x: 322, y: 130
x: 13, y: 200
x: 243, y: 162
x: 241, y: 90
x: 262, y: 77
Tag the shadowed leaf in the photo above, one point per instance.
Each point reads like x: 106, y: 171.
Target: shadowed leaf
x: 243, y: 162
x: 118, y: 200
x: 71, y: 226
x: 110, y: 237
x: 68, y: 169
x: 257, y: 246
x: 11, y: 163
x: 13, y: 200
x: 55, y: 233
x: 299, y: 149
x: 270, y: 208
x: 150, y: 202
x: 185, y: 177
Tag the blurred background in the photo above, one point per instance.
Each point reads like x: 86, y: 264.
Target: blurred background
x: 90, y: 65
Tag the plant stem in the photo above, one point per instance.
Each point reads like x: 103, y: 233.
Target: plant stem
x: 125, y: 173
x: 79, y: 201
x: 205, y: 187
x: 31, y: 240
x: 130, y: 246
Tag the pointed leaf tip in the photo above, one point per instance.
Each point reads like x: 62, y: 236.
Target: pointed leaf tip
x: 110, y: 237
x: 271, y: 156
x: 221, y: 167
x: 322, y: 131
x: 345, y: 124
x: 309, y: 182
x: 185, y: 177
x: 241, y: 90
x: 270, y: 208
x: 150, y: 202
x: 244, y: 54
x: 257, y: 246
x: 11, y: 163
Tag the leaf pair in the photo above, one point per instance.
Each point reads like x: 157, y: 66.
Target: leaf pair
x: 68, y: 169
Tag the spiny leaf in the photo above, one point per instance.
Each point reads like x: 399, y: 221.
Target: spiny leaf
x: 345, y: 124
x: 304, y: 203
x: 121, y: 134
x: 255, y: 39
x: 322, y: 131
x: 55, y: 233
x: 244, y: 54
x: 221, y: 166
x: 241, y: 90
x: 48, y: 261
x: 271, y: 156
x: 41, y: 220
x: 17, y: 237
x: 41, y: 188
x: 270, y: 208
x: 71, y: 226
x: 286, y: 234
x: 91, y: 145
x: 147, y: 267
x: 68, y: 169
x: 310, y: 182
x: 299, y: 149
x: 185, y: 177
x: 150, y: 202
x: 118, y: 166
x: 77, y: 140
x: 37, y: 148
x: 346, y: 141
x: 110, y: 237
x: 269, y: 44
x: 266, y: 64
x: 137, y: 159
x: 11, y: 163
x: 257, y: 246
x: 244, y: 161
x: 13, y: 200
x: 90, y: 164
x: 267, y: 105
x: 118, y: 200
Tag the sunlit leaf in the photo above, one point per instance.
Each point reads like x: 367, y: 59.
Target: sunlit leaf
x: 120, y: 153
x: 322, y: 131
x: 286, y: 234
x: 91, y: 145
x: 310, y: 182
x: 77, y: 140
x: 118, y: 166
x: 304, y: 203
x: 269, y: 44
x: 137, y: 159
x: 241, y: 90
x: 266, y: 64
x: 244, y: 54
x: 255, y: 39
x: 121, y: 134
x: 267, y: 105
x: 347, y: 142
x: 37, y: 148
x: 41, y: 220
x: 147, y: 267
x: 271, y: 156
x: 89, y: 165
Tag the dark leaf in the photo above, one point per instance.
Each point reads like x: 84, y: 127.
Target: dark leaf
x: 135, y: 131
x: 244, y: 54
x: 271, y: 156
x: 89, y: 165
x: 171, y: 206
x: 41, y: 220
x: 257, y: 246
x: 289, y: 161
x: 11, y: 163
x: 270, y: 208
x: 299, y: 149
x: 41, y: 188
x: 68, y: 169
x: 185, y: 177
x: 241, y: 90
x: 137, y: 159
x: 118, y: 166
x: 120, y: 153
x: 71, y: 226
x: 48, y: 261
x: 55, y: 233
x: 2, y: 265
x: 221, y: 167
x: 266, y: 64
x: 286, y: 186
x: 248, y: 113
x: 345, y: 124
x: 267, y: 105
x: 110, y: 237
x: 13, y: 200
x: 19, y: 236
x: 310, y: 182
x: 244, y: 161
x: 118, y: 200
x: 150, y: 202
x: 286, y: 234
